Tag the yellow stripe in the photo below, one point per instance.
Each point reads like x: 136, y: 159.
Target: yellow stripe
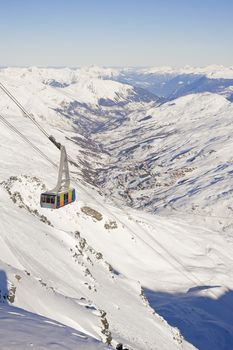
x: 61, y: 199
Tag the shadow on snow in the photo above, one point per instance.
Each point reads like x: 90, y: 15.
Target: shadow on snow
x: 23, y: 329
x: 205, y: 322
x: 3, y: 287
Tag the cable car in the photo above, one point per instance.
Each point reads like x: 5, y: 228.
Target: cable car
x: 62, y: 194
x: 57, y: 200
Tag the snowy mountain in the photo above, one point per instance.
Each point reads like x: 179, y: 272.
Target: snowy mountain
x: 170, y: 83
x: 100, y: 270
x: 172, y: 154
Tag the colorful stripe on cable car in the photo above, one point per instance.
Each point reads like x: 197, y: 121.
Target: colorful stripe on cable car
x: 57, y: 200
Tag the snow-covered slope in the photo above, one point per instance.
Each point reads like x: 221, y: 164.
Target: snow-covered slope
x: 118, y: 275
x: 23, y: 330
x: 51, y: 268
x: 174, y: 154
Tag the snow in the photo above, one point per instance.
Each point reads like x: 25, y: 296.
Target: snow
x: 212, y: 71
x: 81, y: 276
x: 23, y: 330
x: 91, y: 90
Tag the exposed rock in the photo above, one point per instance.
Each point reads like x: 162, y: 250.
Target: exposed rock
x: 92, y: 212
x: 110, y: 225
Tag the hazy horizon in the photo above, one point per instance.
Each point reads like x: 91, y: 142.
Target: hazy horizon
x: 118, y: 67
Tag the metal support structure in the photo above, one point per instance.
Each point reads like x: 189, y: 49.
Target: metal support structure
x: 63, y: 181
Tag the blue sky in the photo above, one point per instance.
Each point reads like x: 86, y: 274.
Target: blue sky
x: 116, y: 33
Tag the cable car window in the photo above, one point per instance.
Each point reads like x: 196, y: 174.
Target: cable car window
x: 52, y: 200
